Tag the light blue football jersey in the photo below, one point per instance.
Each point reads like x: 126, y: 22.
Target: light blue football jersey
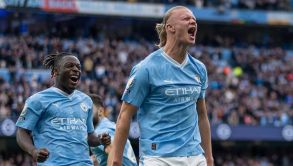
x: 60, y: 123
x: 106, y: 126
x: 166, y: 93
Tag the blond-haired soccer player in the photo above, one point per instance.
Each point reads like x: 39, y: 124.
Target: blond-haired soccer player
x: 168, y: 90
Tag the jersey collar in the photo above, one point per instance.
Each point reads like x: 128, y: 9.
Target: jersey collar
x: 171, y: 60
x: 62, y: 92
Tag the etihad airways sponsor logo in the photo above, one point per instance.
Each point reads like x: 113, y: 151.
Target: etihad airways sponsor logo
x: 182, y: 91
x: 69, y: 123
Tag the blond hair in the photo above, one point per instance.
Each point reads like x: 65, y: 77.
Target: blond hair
x: 161, y: 27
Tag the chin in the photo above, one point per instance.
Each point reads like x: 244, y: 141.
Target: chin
x: 190, y: 43
x: 72, y: 88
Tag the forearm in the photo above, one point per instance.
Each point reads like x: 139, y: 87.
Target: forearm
x: 205, y: 132
x: 25, y: 141
x: 108, y: 148
x: 122, y: 129
x: 110, y: 152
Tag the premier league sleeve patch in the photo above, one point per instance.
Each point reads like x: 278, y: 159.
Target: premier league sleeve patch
x: 23, y: 113
x: 129, y: 84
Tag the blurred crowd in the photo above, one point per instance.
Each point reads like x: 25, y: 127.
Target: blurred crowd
x: 236, y: 4
x: 246, y: 159
x: 250, y: 86
x: 229, y: 158
x: 15, y: 159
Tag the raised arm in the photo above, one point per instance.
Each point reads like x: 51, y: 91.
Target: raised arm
x: 122, y: 129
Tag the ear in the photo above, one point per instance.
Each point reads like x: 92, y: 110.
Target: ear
x: 170, y: 28
x: 54, y: 73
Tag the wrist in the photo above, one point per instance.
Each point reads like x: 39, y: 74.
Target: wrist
x: 99, y: 139
x: 32, y: 151
x: 210, y: 159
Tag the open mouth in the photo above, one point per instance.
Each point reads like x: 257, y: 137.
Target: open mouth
x: 74, y: 78
x: 191, y: 31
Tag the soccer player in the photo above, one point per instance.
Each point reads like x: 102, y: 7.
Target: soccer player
x: 104, y: 125
x: 56, y: 124
x: 168, y: 90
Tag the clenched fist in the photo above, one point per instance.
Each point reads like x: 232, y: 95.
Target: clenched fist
x: 40, y: 155
x: 105, y: 139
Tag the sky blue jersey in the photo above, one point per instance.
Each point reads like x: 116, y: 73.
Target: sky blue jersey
x: 166, y: 93
x: 60, y: 123
x: 106, y: 126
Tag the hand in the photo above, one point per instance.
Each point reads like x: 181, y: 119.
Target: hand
x: 40, y: 155
x: 105, y: 139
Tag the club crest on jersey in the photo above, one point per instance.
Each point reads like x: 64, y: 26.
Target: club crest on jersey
x: 129, y: 84
x: 84, y: 107
x: 197, y: 78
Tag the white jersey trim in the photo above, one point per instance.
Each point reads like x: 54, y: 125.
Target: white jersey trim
x: 167, y: 57
x: 62, y: 92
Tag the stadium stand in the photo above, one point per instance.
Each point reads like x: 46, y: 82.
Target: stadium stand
x: 251, y: 80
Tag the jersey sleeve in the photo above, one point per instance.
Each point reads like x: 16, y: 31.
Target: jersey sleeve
x: 89, y: 122
x: 204, y: 85
x: 30, y: 114
x: 137, y: 87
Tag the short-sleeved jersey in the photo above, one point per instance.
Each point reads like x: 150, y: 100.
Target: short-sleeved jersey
x: 106, y: 126
x: 60, y: 123
x: 166, y: 93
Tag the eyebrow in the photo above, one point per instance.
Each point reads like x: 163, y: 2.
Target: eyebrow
x: 75, y: 63
x: 188, y: 16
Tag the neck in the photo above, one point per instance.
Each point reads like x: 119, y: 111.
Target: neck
x: 176, y: 51
x: 67, y: 91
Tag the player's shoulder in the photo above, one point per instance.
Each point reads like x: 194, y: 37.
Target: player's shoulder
x: 150, y: 61
x: 196, y: 62
x: 39, y: 97
x: 105, y: 126
x: 106, y: 123
x: 82, y: 95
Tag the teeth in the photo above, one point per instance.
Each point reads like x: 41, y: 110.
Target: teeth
x: 74, y: 77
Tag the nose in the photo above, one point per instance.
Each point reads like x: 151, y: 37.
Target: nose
x: 192, y: 22
x: 76, y: 69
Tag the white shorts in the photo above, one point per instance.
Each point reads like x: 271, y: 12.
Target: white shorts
x: 199, y: 160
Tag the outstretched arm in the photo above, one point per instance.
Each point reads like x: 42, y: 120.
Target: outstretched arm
x: 205, y: 131
x: 25, y: 141
x: 122, y: 128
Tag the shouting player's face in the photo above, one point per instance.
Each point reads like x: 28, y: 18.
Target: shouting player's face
x: 183, y: 26
x: 68, y: 74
